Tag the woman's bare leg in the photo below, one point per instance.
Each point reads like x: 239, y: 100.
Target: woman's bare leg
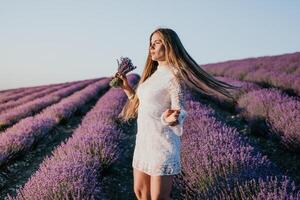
x: 141, y: 185
x: 161, y: 187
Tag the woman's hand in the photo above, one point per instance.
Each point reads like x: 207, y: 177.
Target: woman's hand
x: 171, y: 116
x: 125, y: 84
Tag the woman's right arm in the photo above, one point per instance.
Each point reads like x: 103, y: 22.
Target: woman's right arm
x: 126, y: 87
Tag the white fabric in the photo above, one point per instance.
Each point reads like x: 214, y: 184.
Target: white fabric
x: 157, y: 146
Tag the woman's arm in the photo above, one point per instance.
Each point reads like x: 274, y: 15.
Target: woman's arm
x: 126, y: 87
x: 177, y: 102
x: 129, y: 92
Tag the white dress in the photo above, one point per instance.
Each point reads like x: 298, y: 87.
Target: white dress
x: 157, y: 145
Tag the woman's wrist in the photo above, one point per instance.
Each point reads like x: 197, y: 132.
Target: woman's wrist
x: 127, y: 87
x: 131, y: 96
x: 129, y: 92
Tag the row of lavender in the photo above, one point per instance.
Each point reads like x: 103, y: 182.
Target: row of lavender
x: 28, y: 131
x: 21, y: 89
x: 9, y: 91
x: 217, y: 163
x: 74, y: 170
x: 277, y: 71
x: 274, y: 113
x: 18, y: 93
x: 26, y: 93
x: 24, y: 98
x: 288, y: 63
x: 11, y: 116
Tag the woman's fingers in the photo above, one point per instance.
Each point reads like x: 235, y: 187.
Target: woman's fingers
x: 172, y: 115
x: 124, y: 78
x: 176, y: 113
x: 169, y: 111
x: 172, y: 119
x: 120, y: 76
x: 174, y: 123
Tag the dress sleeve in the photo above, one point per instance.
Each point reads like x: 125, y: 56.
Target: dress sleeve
x: 177, y: 95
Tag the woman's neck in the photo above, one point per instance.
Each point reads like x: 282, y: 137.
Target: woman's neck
x: 163, y: 62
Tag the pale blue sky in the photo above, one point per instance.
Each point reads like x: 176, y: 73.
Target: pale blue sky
x: 52, y: 41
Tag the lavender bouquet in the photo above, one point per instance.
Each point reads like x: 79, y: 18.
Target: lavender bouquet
x: 123, y: 68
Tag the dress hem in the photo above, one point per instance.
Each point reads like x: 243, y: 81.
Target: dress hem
x: 172, y: 171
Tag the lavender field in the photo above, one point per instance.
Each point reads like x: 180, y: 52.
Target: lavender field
x: 64, y: 141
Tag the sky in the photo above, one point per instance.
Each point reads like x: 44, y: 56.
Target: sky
x: 44, y: 42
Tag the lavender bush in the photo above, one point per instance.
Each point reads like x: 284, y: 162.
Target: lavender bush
x: 278, y: 111
x: 218, y: 163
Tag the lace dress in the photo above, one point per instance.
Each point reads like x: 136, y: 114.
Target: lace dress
x: 157, y: 146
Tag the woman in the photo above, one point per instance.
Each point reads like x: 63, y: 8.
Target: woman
x: 159, y: 103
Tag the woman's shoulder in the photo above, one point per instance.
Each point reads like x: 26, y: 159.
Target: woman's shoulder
x: 175, y: 75
x: 170, y: 72
x: 169, y: 75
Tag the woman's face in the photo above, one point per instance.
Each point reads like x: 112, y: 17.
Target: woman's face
x: 157, y: 49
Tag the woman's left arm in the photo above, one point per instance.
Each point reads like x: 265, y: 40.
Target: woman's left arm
x: 177, y: 96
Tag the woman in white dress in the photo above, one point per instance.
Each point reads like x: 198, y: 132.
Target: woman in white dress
x: 158, y: 104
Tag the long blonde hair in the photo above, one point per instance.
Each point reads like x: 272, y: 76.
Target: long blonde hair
x: 188, y: 71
